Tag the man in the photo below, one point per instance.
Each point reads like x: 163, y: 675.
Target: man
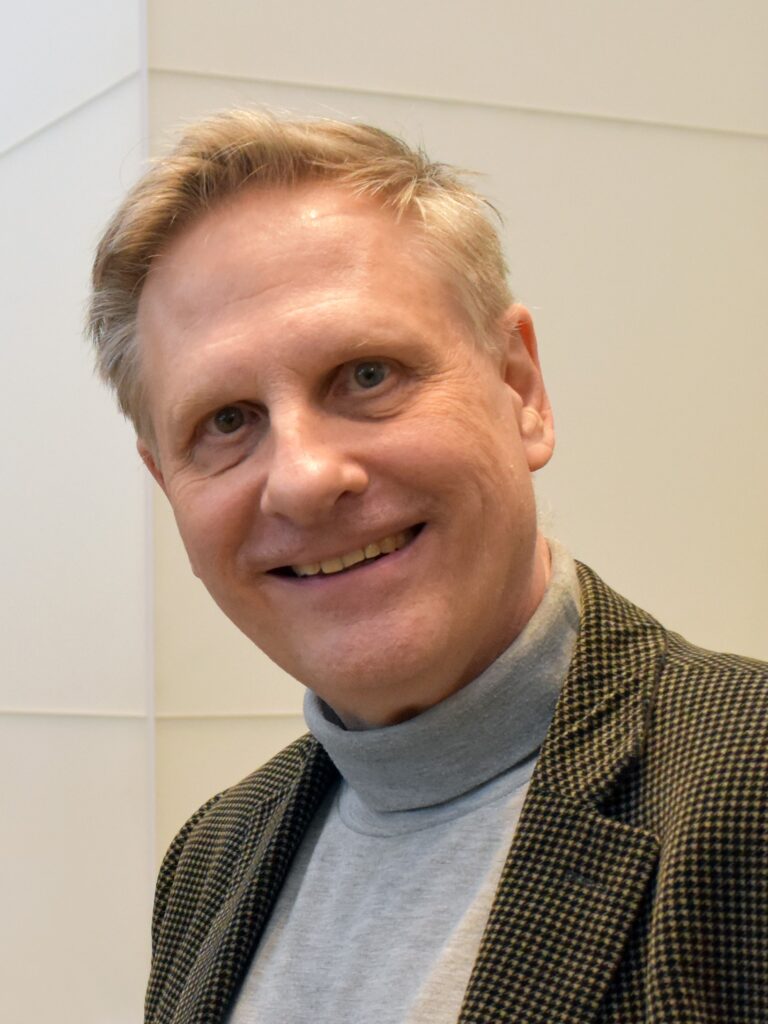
x: 522, y: 799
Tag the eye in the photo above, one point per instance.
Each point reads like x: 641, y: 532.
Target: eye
x: 229, y: 419
x: 370, y: 374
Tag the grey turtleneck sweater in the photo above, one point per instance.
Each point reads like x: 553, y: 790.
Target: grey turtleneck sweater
x: 383, y: 910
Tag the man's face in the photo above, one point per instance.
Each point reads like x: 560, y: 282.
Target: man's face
x: 317, y: 396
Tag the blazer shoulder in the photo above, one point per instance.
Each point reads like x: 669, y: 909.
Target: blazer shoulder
x: 700, y: 673
x: 712, y: 709
x: 689, y: 726
x: 616, y: 637
x: 688, y: 652
x: 705, y: 764
x: 227, y: 818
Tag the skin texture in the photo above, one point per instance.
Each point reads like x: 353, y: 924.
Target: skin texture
x: 260, y: 328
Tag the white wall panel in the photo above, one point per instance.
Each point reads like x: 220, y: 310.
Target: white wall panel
x: 694, y: 62
x: 74, y: 869
x: 76, y: 741
x: 198, y: 757
x: 56, y: 56
x: 203, y: 663
x: 643, y: 252
x: 73, y: 602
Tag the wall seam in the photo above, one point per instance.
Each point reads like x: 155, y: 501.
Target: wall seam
x: 180, y: 716
x: 458, y: 101
x: 71, y: 713
x: 149, y: 531
x: 24, y: 139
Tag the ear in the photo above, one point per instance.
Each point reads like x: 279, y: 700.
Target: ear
x: 522, y: 372
x: 150, y: 461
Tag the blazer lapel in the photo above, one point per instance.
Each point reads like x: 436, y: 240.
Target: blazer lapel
x: 575, y: 878
x: 226, y: 952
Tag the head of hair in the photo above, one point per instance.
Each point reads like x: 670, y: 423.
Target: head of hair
x: 247, y: 149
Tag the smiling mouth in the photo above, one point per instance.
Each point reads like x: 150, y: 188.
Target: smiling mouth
x: 352, y: 559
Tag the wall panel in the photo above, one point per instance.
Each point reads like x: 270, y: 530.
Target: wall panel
x: 57, y: 56
x: 693, y: 62
x: 73, y: 601
x: 75, y: 885
x: 76, y: 741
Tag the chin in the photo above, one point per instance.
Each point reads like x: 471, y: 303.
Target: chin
x: 383, y: 686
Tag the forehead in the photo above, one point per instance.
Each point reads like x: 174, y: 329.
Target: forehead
x: 305, y: 237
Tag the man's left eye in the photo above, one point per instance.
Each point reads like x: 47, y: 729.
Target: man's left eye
x: 371, y: 374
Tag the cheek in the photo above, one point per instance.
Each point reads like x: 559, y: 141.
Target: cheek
x: 485, y: 443
x: 214, y: 517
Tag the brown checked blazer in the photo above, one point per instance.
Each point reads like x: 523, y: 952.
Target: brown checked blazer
x: 636, y: 887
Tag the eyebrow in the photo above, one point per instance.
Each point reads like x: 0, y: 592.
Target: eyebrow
x: 192, y: 407
x: 210, y: 390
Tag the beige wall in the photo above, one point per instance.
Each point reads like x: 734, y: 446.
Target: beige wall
x: 626, y: 146
x: 76, y: 805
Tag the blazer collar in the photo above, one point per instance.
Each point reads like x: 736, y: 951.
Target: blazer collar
x: 575, y: 878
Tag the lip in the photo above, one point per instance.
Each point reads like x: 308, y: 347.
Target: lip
x: 358, y: 572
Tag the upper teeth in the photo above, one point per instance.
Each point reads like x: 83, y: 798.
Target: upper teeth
x: 379, y: 547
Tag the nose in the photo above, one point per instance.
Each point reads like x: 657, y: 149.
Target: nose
x: 310, y: 469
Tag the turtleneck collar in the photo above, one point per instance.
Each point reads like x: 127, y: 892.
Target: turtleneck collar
x: 489, y: 726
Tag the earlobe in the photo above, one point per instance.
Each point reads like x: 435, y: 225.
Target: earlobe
x: 531, y: 425
x: 538, y: 437
x: 149, y: 460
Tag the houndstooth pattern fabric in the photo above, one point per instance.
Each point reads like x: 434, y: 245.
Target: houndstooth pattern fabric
x: 636, y: 887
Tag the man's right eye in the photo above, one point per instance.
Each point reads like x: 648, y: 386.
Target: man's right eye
x: 228, y: 420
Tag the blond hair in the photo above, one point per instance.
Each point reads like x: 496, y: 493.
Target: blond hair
x: 245, y: 148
